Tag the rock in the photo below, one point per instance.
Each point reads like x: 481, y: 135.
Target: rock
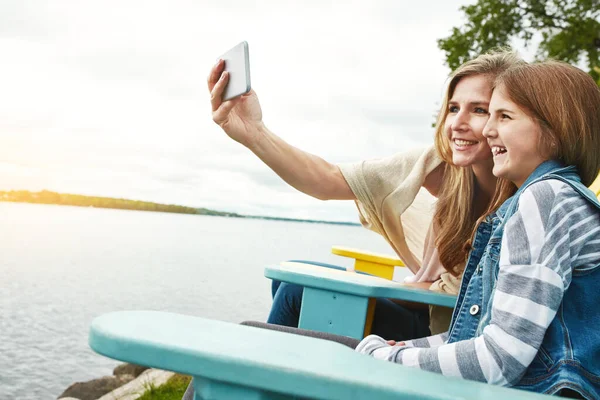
x: 96, y: 388
x: 129, y: 369
x: 137, y: 387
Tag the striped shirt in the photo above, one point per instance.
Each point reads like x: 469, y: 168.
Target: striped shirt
x: 554, y: 231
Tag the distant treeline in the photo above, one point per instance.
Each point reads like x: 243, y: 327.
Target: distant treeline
x: 310, y: 221
x: 48, y: 197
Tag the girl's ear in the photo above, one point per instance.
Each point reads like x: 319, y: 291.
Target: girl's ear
x: 548, y: 145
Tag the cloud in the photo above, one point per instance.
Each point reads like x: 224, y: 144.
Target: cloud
x: 109, y: 98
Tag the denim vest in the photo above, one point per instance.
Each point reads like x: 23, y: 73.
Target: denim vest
x: 569, y: 356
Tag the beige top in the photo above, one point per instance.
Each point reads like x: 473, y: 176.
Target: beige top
x: 391, y: 201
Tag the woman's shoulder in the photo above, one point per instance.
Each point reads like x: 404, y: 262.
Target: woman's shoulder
x: 388, y: 173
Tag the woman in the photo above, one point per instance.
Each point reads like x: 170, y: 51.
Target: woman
x: 389, y: 193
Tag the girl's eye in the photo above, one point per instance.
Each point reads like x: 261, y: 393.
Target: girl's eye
x: 453, y: 109
x: 480, y: 110
x: 504, y: 116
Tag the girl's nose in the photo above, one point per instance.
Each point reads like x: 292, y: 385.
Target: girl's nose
x: 489, y: 130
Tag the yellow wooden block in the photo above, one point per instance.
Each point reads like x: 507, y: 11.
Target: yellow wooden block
x: 596, y: 186
x: 381, y: 270
x: 367, y: 256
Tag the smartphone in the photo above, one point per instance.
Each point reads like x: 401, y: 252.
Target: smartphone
x: 237, y: 63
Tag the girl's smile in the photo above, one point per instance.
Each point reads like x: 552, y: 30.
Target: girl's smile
x: 514, y: 138
x: 498, y: 150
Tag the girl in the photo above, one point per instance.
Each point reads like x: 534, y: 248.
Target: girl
x: 389, y: 193
x: 527, y: 313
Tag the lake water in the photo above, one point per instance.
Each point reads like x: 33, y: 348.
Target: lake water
x: 62, y: 266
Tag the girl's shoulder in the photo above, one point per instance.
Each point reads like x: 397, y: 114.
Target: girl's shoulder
x: 555, y: 197
x: 557, y: 220
x: 550, y: 190
x: 551, y: 187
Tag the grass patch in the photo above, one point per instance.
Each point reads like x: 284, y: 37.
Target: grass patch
x: 173, y: 389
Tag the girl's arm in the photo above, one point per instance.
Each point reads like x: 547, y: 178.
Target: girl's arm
x: 542, y: 241
x: 372, y: 343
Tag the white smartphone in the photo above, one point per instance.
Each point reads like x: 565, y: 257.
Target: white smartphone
x: 237, y: 63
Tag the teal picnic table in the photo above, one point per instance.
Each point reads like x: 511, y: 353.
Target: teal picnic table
x: 342, y: 302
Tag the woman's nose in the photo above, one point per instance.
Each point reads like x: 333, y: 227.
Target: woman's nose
x: 460, y: 122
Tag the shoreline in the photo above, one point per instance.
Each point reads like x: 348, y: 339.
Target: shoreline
x: 76, y: 200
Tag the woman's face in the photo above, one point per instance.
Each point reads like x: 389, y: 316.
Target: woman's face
x: 514, y: 138
x: 467, y: 116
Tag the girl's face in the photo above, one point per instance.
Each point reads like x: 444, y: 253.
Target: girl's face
x: 514, y: 138
x: 467, y: 116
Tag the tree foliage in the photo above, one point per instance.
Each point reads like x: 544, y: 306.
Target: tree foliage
x: 569, y: 30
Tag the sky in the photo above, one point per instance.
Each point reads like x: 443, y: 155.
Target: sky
x: 109, y: 98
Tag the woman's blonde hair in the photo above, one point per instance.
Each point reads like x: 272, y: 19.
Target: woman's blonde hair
x: 565, y: 101
x: 455, y: 217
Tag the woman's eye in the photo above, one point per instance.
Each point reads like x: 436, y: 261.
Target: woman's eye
x: 480, y: 110
x: 453, y: 109
x: 504, y: 116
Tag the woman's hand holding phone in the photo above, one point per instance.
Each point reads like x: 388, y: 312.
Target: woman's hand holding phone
x: 240, y: 117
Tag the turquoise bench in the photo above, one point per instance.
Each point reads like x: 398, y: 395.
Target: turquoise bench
x: 342, y: 302
x: 230, y: 361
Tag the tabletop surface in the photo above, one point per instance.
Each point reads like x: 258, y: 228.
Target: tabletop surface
x: 353, y: 283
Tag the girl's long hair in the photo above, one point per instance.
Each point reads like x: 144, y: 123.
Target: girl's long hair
x: 455, y: 219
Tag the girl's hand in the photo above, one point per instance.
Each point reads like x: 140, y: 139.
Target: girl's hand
x: 394, y: 343
x: 240, y: 118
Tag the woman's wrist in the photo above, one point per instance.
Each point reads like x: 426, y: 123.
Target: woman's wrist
x: 258, y: 139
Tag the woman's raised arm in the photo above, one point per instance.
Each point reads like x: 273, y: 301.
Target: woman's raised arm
x: 241, y: 119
